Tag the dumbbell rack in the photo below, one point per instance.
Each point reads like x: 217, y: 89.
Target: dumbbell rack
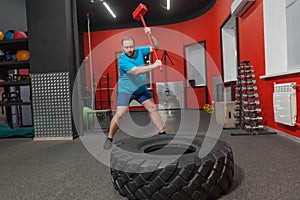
x: 246, y: 110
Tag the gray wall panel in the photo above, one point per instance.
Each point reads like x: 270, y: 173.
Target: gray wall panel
x: 13, y: 15
x: 51, y: 37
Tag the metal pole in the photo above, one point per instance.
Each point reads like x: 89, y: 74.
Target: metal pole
x: 91, y: 63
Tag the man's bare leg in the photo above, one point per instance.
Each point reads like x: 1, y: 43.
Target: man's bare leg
x: 154, y: 114
x: 114, y: 125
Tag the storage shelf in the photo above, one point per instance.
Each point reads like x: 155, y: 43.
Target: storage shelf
x: 11, y: 67
x: 15, y: 83
x: 6, y: 65
x: 9, y: 42
x: 13, y: 45
x: 14, y: 103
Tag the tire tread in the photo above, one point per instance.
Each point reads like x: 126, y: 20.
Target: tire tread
x: 199, y: 178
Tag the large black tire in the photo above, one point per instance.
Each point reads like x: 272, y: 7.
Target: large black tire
x: 188, y: 177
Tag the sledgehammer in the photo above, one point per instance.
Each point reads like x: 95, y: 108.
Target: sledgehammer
x: 138, y: 15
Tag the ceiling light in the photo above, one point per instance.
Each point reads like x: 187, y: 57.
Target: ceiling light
x: 168, y: 4
x: 109, y: 10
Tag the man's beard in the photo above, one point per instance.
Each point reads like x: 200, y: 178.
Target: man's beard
x: 130, y: 53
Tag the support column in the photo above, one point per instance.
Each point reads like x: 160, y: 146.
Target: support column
x: 53, y: 44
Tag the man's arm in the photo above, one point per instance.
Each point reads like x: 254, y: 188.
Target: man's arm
x: 144, y: 69
x: 154, y: 40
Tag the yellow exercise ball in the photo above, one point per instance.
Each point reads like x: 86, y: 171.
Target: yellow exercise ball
x: 1, y: 35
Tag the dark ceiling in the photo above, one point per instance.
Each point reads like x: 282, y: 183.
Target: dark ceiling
x: 157, y: 14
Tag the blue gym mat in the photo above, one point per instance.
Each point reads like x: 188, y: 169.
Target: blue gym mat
x: 7, y: 132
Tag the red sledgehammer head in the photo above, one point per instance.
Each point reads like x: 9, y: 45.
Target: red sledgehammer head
x: 139, y: 11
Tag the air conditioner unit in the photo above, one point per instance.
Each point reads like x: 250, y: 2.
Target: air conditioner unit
x: 239, y: 7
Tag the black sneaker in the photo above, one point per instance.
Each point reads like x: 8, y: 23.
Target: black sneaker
x: 162, y: 133
x: 108, y: 143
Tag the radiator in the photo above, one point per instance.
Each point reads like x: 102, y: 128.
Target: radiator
x: 285, y: 103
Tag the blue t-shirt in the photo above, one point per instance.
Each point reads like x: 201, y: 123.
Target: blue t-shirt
x: 133, y: 83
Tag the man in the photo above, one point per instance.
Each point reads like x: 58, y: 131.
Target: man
x: 132, y: 84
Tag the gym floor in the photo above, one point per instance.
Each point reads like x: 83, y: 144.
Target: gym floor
x: 266, y: 166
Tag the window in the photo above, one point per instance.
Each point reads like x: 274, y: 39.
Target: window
x: 282, y: 45
x: 195, y: 64
x: 293, y: 36
x: 229, y: 49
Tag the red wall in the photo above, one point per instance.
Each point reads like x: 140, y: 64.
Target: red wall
x: 207, y: 27
x: 251, y: 33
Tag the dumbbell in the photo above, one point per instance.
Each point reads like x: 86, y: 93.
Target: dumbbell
x: 249, y: 88
x: 247, y: 71
x: 237, y: 123
x: 257, y: 110
x: 253, y: 95
x: 237, y: 106
x: 257, y: 119
x: 237, y: 102
x: 246, y: 76
x: 248, y: 67
x: 237, y: 95
x: 245, y: 67
x: 250, y: 95
x: 252, y: 88
x: 247, y: 127
x: 257, y: 102
x: 236, y: 109
x: 249, y: 82
x: 236, y: 115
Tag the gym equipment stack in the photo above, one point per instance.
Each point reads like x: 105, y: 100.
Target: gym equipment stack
x: 246, y: 110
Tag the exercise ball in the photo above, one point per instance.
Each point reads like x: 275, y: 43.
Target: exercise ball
x: 22, y: 55
x: 1, y: 35
x: 19, y: 35
x: 9, y: 35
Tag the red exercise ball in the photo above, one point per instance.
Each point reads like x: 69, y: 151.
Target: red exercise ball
x: 19, y: 35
